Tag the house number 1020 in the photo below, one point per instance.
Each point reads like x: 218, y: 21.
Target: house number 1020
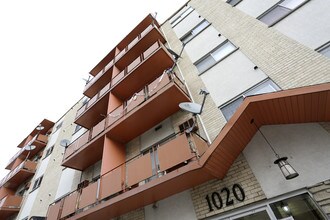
x: 216, y: 200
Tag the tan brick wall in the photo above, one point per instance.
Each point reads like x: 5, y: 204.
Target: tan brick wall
x: 133, y: 215
x: 326, y: 126
x: 133, y: 148
x: 211, y: 116
x: 321, y: 193
x: 289, y: 63
x: 239, y: 173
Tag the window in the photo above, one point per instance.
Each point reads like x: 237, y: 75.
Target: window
x: 215, y: 56
x: 233, y: 2
x: 58, y: 126
x: 325, y: 50
x: 265, y: 87
x: 196, y: 30
x: 37, y: 183
x: 189, y: 124
x: 181, y: 17
x: 77, y: 128
x: 280, y: 10
x: 49, y: 151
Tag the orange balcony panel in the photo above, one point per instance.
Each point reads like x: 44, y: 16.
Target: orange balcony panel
x: 157, y: 108
x: 94, y: 113
x: 10, y: 205
x: 145, y: 72
x: 88, y: 195
x: 54, y: 210
x: 69, y: 204
x: 99, y: 81
x: 148, y: 37
x: 112, y: 182
x: 82, y: 155
x: 174, y: 152
x: 17, y: 176
x: 139, y: 169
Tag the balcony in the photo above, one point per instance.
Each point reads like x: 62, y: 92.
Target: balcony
x: 144, y: 40
x: 10, y: 205
x: 143, y: 70
x: 137, y: 182
x: 18, y: 175
x: 138, y: 114
x: 39, y: 140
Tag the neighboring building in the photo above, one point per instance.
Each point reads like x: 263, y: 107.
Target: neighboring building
x: 135, y: 155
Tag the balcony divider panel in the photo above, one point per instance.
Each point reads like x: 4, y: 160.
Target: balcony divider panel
x: 157, y: 84
x: 88, y: 195
x: 97, y: 129
x: 174, y: 152
x: 200, y: 144
x: 135, y: 100
x: 112, y: 182
x: 54, y: 211
x: 69, y: 204
x: 139, y: 169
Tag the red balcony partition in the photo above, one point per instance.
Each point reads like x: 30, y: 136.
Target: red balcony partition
x: 9, y: 206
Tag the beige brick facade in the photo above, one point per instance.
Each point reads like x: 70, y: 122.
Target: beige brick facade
x: 321, y: 193
x: 289, y: 63
x: 239, y: 173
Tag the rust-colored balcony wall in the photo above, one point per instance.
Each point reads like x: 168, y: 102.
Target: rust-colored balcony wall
x: 18, y: 175
x: 152, y: 66
x: 54, y: 210
x: 121, y: 46
x: 174, y: 152
x: 123, y: 124
x: 5, y: 192
x: 139, y: 169
x: 10, y: 205
x: 69, y: 204
x: 114, y: 154
x: 94, y: 111
x: 78, y: 156
x: 39, y: 140
x: 140, y: 43
x: 120, y: 188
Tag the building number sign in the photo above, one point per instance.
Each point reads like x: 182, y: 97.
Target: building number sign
x: 215, y: 200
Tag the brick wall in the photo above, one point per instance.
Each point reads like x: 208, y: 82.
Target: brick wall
x: 289, y: 63
x: 321, y: 194
x: 239, y: 173
x: 133, y: 215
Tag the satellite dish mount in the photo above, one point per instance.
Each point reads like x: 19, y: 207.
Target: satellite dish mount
x: 194, y: 108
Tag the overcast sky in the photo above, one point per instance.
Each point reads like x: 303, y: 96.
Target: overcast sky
x: 48, y: 47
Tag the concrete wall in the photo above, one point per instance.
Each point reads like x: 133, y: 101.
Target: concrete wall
x: 309, y: 25
x: 187, y: 24
x: 306, y: 146
x: 255, y: 8
x: 231, y: 77
x: 197, y: 47
x: 179, y: 206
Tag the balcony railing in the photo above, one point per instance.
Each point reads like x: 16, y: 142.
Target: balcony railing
x: 143, y: 40
x: 126, y: 110
x: 147, y: 65
x: 13, y: 178
x: 161, y: 159
x: 38, y: 140
x: 10, y: 203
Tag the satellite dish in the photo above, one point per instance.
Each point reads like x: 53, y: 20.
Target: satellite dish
x: 64, y: 142
x: 191, y: 107
x: 40, y: 127
x: 29, y: 147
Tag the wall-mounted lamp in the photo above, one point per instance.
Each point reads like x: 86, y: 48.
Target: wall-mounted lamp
x: 288, y: 171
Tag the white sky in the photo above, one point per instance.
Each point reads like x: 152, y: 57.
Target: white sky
x: 47, y: 47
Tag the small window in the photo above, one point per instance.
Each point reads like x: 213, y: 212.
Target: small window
x: 182, y: 16
x: 325, y: 50
x: 77, y: 128
x: 215, y: 56
x: 49, y: 151
x: 233, y: 2
x: 58, y: 126
x: 230, y: 108
x: 280, y: 10
x: 37, y: 183
x: 196, y: 30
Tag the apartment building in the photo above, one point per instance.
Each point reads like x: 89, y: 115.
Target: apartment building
x: 252, y: 144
